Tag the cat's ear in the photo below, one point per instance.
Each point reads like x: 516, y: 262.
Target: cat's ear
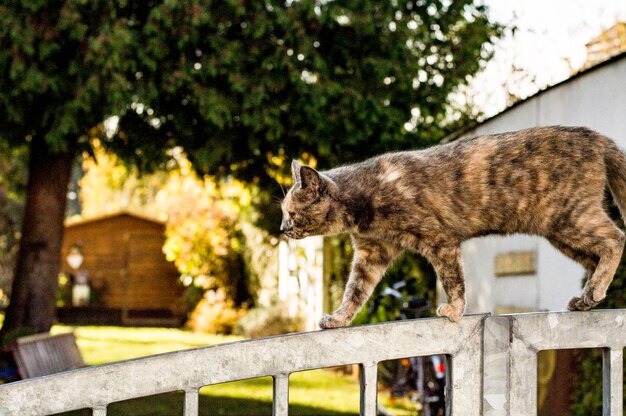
x: 295, y: 170
x: 310, y: 179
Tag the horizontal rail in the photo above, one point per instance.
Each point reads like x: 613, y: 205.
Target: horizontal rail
x: 492, y: 371
x: 188, y: 370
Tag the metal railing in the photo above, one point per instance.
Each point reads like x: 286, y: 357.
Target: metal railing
x: 492, y: 370
x: 511, y: 346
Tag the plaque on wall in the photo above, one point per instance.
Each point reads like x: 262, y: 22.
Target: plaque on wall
x: 517, y: 263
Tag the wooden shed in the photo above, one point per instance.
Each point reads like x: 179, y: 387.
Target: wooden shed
x: 130, y: 279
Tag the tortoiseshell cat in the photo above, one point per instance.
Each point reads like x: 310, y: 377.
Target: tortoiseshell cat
x: 547, y: 181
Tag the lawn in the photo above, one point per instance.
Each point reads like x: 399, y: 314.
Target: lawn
x: 317, y: 392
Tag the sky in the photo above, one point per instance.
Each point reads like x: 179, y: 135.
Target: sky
x: 547, y: 47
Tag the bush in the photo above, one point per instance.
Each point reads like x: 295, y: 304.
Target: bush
x: 215, y: 314
x: 265, y: 322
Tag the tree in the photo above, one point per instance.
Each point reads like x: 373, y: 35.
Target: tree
x: 234, y: 83
x: 57, y: 83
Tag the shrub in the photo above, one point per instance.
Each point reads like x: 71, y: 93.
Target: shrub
x: 265, y: 322
x: 215, y: 314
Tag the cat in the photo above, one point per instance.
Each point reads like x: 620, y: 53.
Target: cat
x: 545, y: 181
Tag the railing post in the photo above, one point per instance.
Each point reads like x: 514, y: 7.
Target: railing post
x: 191, y: 402
x: 496, y: 366
x: 368, y: 374
x: 280, y: 404
x: 523, y: 387
x: 99, y: 411
x: 465, y: 385
x: 612, y: 381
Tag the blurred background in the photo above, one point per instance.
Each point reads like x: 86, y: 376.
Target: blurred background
x: 145, y: 147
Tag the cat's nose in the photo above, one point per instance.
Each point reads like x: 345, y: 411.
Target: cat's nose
x: 285, y: 226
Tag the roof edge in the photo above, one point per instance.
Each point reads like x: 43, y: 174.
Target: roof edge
x: 71, y: 222
x: 455, y: 135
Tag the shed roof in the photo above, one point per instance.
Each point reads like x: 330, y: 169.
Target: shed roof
x: 82, y: 221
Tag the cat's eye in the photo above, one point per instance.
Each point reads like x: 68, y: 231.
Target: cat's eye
x: 291, y: 214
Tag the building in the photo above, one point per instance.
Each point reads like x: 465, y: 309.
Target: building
x: 118, y: 260
x: 525, y: 273
x: 301, y: 279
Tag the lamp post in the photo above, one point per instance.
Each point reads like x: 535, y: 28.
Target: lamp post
x: 81, y: 291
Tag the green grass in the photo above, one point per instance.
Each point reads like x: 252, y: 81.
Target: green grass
x: 317, y: 392
x: 105, y: 344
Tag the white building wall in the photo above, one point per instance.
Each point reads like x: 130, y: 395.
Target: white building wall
x: 301, y: 280
x: 596, y: 99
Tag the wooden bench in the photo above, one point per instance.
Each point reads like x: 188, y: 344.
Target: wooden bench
x: 43, y: 354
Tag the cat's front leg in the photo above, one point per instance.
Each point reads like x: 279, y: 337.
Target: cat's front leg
x: 369, y: 263
x: 447, y: 263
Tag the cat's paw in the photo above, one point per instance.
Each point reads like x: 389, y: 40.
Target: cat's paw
x: 589, y: 299
x: 332, y: 321
x: 578, y: 304
x: 450, y: 312
x: 598, y: 295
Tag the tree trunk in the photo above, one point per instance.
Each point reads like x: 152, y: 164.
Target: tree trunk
x: 33, y: 298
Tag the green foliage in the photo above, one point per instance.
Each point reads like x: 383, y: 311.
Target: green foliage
x: 235, y: 85
x: 13, y: 171
x: 62, y: 69
x: 338, y: 255
x: 421, y: 283
x: 215, y: 314
x: 12, y: 184
x: 64, y: 293
x: 410, y: 267
x: 204, y: 242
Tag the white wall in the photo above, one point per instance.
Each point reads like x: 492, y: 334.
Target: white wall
x: 597, y: 100
x: 300, y: 279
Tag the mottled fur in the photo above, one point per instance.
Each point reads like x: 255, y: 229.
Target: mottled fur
x: 546, y: 181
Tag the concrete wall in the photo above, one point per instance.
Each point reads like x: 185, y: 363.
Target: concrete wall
x: 596, y: 99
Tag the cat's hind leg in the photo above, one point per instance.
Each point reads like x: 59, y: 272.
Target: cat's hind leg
x: 587, y: 260
x: 599, y: 240
x: 448, y: 266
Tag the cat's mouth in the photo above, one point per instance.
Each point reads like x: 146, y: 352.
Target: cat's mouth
x: 296, y: 234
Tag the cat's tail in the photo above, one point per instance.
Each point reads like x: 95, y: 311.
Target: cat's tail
x: 616, y: 175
